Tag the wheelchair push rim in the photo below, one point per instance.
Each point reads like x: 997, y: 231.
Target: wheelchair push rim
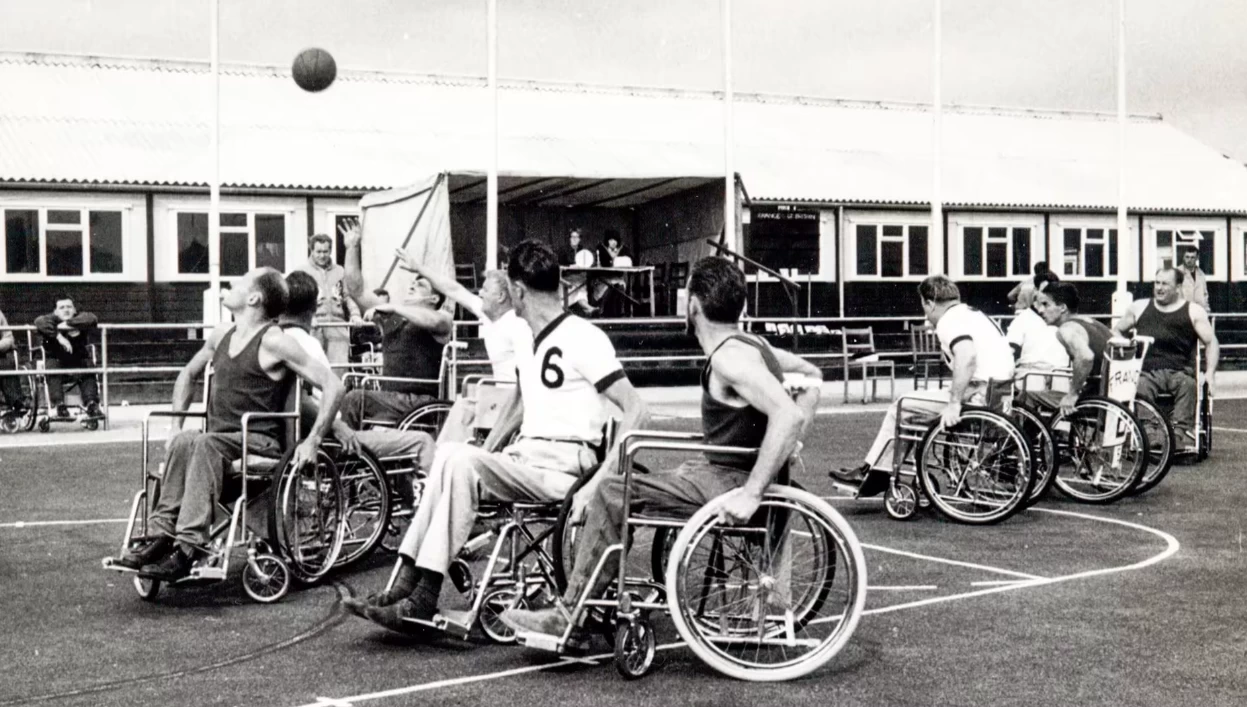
x: 980, y: 471
x: 1104, y: 454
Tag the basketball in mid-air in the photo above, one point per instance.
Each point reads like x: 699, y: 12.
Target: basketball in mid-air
x: 314, y: 69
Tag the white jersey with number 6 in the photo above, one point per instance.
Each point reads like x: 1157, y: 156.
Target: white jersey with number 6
x: 561, y: 386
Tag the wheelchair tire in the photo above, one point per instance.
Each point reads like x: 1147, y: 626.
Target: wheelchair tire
x: 44, y: 424
x: 794, y: 638
x: 308, y: 523
x: 265, y: 578
x: 147, y: 588
x: 367, y: 498
x: 1205, y: 423
x: 1077, y: 479
x: 427, y: 417
x: 900, y: 501
x: 1160, y: 439
x: 977, y: 481
x: 1043, y: 451
x: 635, y: 647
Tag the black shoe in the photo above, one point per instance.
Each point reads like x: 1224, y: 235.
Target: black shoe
x: 176, y: 565
x: 148, y: 554
x: 420, y: 606
x: 93, y: 410
x: 62, y: 411
x: 854, y: 475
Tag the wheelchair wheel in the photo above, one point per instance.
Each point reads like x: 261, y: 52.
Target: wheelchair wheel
x: 1043, y: 450
x: 44, y: 423
x: 428, y: 418
x: 635, y: 647
x: 91, y: 424
x: 1205, y: 423
x: 773, y: 599
x: 900, y: 501
x: 496, y: 601
x: 1160, y: 440
x: 366, y: 497
x: 979, y: 471
x: 310, y: 518
x: 147, y: 588
x: 1106, y: 451
x: 265, y: 578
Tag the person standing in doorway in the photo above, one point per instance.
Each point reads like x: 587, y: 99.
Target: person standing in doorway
x: 333, y: 308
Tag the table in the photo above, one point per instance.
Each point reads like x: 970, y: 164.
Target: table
x: 593, y: 274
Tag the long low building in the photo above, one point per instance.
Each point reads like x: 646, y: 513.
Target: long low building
x: 104, y: 165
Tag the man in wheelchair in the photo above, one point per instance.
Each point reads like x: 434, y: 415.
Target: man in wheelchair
x: 66, y: 335
x: 561, y: 396
x: 744, y: 404
x: 980, y: 358
x: 1176, y: 327
x: 1084, y: 340
x: 414, y: 331
x: 253, y: 363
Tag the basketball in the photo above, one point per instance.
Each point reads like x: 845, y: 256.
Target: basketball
x: 314, y: 69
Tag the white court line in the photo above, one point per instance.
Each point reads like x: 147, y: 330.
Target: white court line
x: 946, y: 561
x: 1229, y: 429
x: 902, y: 588
x: 45, y: 442
x: 1000, y: 582
x: 33, y: 523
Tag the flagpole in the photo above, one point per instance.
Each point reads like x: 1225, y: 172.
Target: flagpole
x: 214, y: 184
x: 491, y: 178
x: 1121, y: 297
x: 729, y: 156
x: 937, y: 134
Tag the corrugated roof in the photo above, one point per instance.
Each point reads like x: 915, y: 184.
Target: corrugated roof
x: 85, y: 119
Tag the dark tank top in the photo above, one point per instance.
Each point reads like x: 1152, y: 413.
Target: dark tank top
x: 240, y: 385
x: 728, y: 425
x: 1097, y: 339
x: 410, y: 352
x: 1174, y: 348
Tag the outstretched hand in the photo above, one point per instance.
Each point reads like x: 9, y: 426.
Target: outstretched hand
x: 406, y: 260
x: 351, y: 235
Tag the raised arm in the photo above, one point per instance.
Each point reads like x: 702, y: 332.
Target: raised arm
x: 353, y: 277
x: 435, y: 321
x: 448, y: 286
x: 1129, y: 319
x: 279, y: 346
x: 84, y: 321
x: 7, y: 342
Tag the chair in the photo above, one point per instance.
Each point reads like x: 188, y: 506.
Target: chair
x: 924, y: 347
x: 860, y: 353
x: 465, y: 274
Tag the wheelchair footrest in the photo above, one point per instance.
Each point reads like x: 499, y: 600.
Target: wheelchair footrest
x: 553, y: 644
x: 207, y: 573
x: 457, y: 626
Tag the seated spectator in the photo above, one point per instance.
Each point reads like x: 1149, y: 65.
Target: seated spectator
x: 15, y: 401
x: 66, y: 336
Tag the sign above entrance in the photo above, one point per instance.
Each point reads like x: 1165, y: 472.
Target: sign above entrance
x: 784, y: 212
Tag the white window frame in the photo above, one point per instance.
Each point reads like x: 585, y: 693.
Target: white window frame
x: 957, y: 223
x: 1056, y: 253
x: 1238, y: 249
x: 1151, y: 254
x: 251, y: 212
x: 879, y: 219
x: 83, y: 227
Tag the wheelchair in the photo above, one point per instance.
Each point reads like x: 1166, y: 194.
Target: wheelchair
x: 1202, y: 428
x: 17, y: 419
x: 41, y: 398
x: 772, y: 599
x: 979, y: 471
x: 289, y: 521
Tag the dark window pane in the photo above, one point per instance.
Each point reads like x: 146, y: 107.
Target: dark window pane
x: 997, y: 259
x: 1095, y: 234
x: 21, y: 240
x: 1095, y: 259
x: 997, y: 234
x: 235, y: 220
x: 1207, y: 249
x: 64, y: 252
x: 106, y: 241
x: 233, y: 254
x: 781, y: 237
x: 893, y: 231
x: 270, y: 241
x: 1112, y: 251
x: 1164, y: 249
x: 1073, y: 244
x: 973, y: 238
x: 1021, y: 251
x: 867, y: 257
x: 892, y: 253
x: 193, y: 244
x: 917, y: 250
x: 66, y: 217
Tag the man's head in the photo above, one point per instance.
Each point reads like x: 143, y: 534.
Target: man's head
x: 1045, y: 279
x: 261, y: 289
x: 321, y: 248
x: 1040, y: 268
x: 716, y: 293
x: 1057, y: 303
x: 303, y: 292
x: 573, y: 239
x: 1190, y: 259
x: 612, y: 239
x: 65, y: 309
x: 382, y: 294
x: 532, y: 274
x: 495, y: 294
x: 938, y: 293
x: 421, y: 293
x: 1168, y: 286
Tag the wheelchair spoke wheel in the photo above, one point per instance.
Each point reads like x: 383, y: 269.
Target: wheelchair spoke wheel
x: 147, y: 588
x: 1160, y: 443
x: 773, y: 599
x: 311, y: 518
x: 1107, y: 452
x: 979, y: 471
x: 900, y: 501
x: 1043, y: 451
x: 366, y: 497
x: 496, y: 601
x: 265, y: 578
x: 635, y: 647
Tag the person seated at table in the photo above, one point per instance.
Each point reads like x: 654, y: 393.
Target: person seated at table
x: 575, y: 285
x: 413, y: 335
x: 611, y: 253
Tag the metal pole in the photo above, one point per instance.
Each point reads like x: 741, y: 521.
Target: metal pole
x: 491, y: 178
x: 104, y: 375
x: 937, y: 136
x: 214, y: 183
x: 1123, y: 230
x: 729, y: 157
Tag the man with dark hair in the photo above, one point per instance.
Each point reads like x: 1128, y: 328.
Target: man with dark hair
x: 66, y: 335
x: 577, y: 255
x: 1023, y: 295
x: 1083, y: 339
x: 1177, y: 327
x: 1194, y: 281
x: 744, y: 404
x: 980, y: 357
x: 562, y: 400
x: 1034, y: 342
x: 333, y: 307
x: 413, y: 335
x: 253, y: 364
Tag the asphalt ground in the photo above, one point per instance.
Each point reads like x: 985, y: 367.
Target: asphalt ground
x: 1136, y: 603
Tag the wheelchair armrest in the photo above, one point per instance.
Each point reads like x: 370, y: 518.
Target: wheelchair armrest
x: 171, y: 413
